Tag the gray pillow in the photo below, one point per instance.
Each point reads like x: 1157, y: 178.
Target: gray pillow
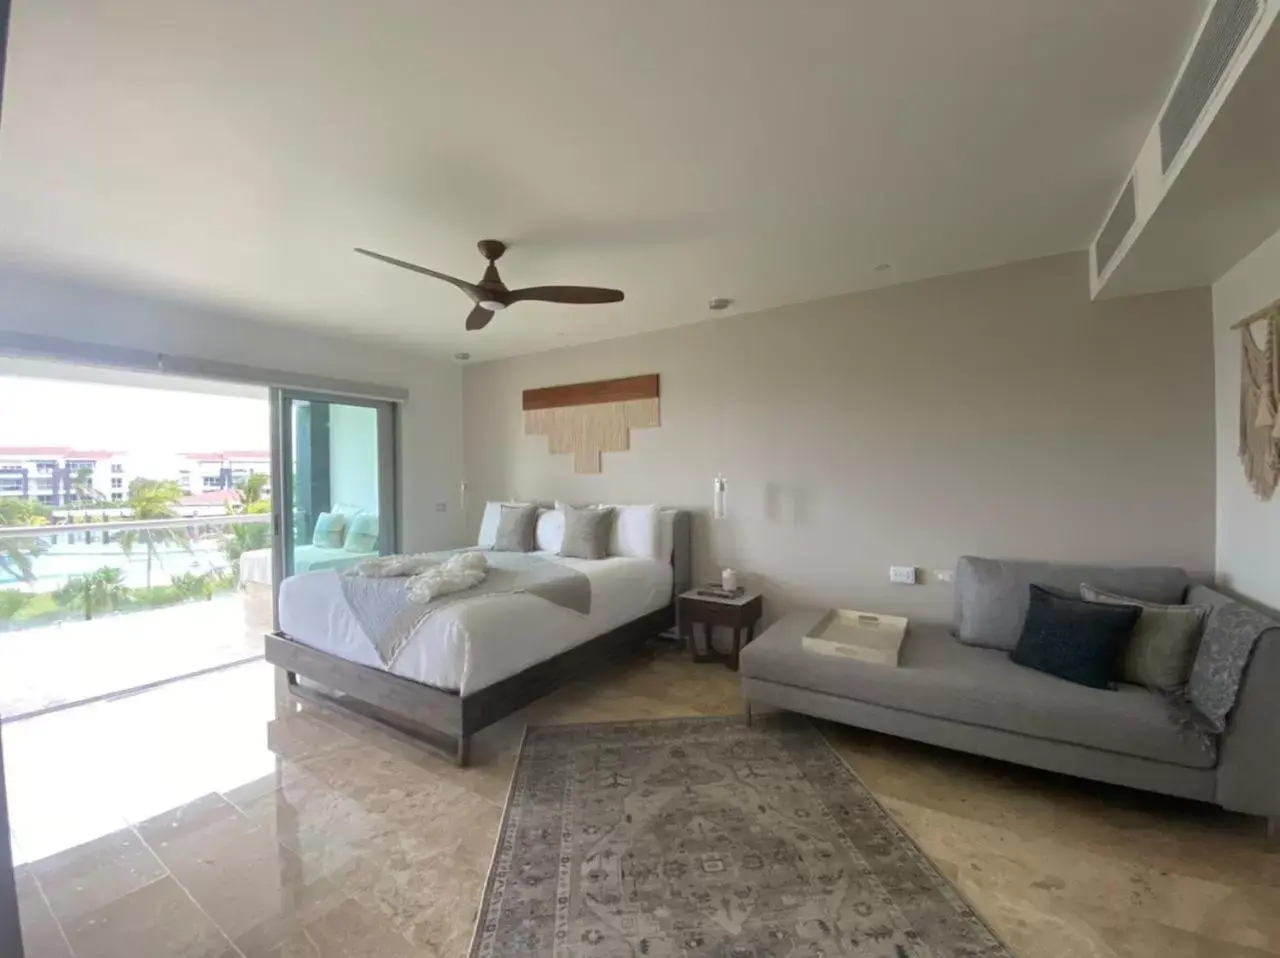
x: 1163, y: 645
x: 992, y: 594
x: 586, y: 532
x: 516, y: 526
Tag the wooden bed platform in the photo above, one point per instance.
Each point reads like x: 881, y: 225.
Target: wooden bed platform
x: 445, y: 721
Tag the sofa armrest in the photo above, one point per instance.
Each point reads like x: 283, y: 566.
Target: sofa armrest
x: 1249, y: 754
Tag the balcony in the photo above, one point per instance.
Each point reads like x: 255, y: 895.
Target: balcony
x: 90, y: 619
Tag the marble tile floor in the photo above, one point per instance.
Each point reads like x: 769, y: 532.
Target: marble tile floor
x: 208, y: 820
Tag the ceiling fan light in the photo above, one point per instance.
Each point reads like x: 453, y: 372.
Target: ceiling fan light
x: 492, y: 305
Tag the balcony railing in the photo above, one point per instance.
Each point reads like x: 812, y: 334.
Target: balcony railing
x: 141, y: 602
x: 124, y: 525
x: 60, y: 570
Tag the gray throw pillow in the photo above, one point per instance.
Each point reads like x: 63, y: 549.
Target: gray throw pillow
x: 1163, y: 646
x: 586, y: 532
x: 516, y: 525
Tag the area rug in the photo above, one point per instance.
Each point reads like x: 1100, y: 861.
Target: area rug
x: 706, y: 837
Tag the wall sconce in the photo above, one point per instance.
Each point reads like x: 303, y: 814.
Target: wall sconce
x: 720, y: 498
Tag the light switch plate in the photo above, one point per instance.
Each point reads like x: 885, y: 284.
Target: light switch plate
x: 902, y: 574
x: 944, y: 575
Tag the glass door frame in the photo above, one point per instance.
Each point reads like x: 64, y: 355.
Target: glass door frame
x: 10, y: 924
x: 389, y: 517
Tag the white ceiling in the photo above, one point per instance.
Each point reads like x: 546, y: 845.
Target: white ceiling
x: 773, y: 151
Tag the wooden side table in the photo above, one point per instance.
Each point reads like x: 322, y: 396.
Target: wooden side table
x: 740, y: 614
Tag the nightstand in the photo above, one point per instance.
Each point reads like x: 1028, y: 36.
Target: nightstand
x: 740, y: 614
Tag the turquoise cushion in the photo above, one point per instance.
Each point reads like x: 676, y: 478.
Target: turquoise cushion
x: 329, y: 530
x: 362, y: 535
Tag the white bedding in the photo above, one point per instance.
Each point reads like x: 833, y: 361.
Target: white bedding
x: 469, y: 645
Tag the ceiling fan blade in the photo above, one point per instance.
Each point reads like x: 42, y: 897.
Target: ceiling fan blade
x: 468, y: 288
x: 479, y: 318
x: 577, y: 295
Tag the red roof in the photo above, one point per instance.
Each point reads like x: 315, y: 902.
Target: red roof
x: 227, y: 454
x: 34, y: 451
x: 55, y: 452
x: 219, y: 498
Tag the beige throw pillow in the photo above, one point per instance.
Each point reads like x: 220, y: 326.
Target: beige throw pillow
x: 1163, y: 646
x: 515, y: 529
x: 586, y: 532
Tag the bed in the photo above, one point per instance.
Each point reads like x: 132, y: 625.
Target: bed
x: 477, y: 659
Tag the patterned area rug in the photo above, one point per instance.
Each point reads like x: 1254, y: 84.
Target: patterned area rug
x: 703, y: 837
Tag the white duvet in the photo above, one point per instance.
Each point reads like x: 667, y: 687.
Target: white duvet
x: 471, y: 644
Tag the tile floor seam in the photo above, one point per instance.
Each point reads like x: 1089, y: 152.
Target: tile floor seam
x: 310, y: 941
x: 57, y: 922
x: 186, y: 891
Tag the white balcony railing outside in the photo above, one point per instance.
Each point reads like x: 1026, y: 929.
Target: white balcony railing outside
x: 91, y: 609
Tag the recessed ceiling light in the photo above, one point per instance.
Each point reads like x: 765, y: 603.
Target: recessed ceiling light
x: 462, y: 356
x: 882, y: 267
x: 720, y: 302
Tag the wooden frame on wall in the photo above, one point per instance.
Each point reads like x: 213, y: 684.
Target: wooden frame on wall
x: 588, y: 419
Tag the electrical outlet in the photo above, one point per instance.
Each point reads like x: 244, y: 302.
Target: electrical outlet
x: 442, y: 507
x: 944, y: 575
x: 902, y: 574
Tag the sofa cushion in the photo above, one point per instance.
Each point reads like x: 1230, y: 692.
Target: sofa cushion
x: 946, y: 679
x: 992, y: 594
x: 1164, y: 642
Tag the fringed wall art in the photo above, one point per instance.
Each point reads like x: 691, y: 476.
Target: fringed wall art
x: 586, y: 419
x: 1260, y: 404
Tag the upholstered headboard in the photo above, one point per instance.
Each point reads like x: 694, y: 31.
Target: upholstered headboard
x: 682, y: 550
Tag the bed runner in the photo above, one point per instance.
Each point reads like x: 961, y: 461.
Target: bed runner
x: 389, y: 615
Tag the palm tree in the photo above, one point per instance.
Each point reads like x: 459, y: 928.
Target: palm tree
x: 82, y: 490
x: 108, y: 588
x: 239, y: 539
x: 17, y: 555
x: 251, y: 489
x: 153, y: 499
x: 103, y: 589
x: 192, y: 586
x: 11, y: 603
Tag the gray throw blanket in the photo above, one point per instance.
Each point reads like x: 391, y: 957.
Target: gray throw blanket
x: 389, y: 615
x: 1229, y: 639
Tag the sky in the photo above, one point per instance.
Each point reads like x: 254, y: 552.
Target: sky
x: 98, y: 416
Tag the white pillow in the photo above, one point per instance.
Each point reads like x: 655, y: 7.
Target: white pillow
x: 489, y: 523
x: 549, y: 533
x: 635, y: 532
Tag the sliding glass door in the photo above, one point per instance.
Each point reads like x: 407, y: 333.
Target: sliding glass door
x: 335, y: 464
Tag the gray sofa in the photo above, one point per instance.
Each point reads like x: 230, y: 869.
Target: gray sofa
x: 975, y: 699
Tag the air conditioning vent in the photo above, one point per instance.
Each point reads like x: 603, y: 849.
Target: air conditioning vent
x: 1224, y: 32
x: 1116, y: 228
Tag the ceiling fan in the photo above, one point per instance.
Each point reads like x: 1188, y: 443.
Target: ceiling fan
x: 491, y: 295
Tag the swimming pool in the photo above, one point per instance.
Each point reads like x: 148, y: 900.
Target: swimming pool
x: 63, y: 561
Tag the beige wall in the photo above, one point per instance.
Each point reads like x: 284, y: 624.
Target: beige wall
x: 1248, y: 528
x: 998, y: 412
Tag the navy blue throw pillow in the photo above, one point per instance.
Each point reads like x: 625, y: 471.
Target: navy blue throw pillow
x: 1082, y: 642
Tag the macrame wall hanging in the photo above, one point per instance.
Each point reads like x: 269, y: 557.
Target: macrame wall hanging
x: 586, y: 419
x: 1260, y: 401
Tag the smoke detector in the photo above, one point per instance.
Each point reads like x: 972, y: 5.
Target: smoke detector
x: 462, y: 356
x: 719, y: 303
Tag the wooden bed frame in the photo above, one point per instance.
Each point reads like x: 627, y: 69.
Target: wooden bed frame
x: 443, y: 720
